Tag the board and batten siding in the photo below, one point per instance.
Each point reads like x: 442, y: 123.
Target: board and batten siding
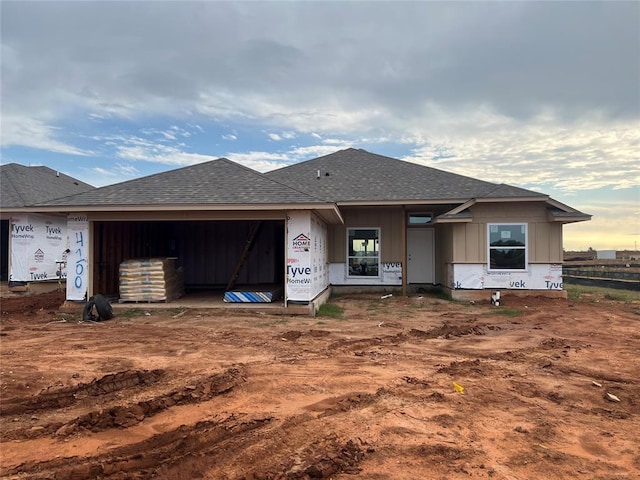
x: 444, y: 251
x: 388, y: 219
x: 544, y: 238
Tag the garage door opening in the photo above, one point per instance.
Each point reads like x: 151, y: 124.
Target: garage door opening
x: 209, y: 254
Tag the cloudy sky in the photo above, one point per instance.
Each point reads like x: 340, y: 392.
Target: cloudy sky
x: 542, y: 95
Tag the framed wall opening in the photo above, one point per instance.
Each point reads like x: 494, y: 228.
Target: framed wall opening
x: 207, y: 252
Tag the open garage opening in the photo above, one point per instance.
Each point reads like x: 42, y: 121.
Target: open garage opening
x: 212, y: 256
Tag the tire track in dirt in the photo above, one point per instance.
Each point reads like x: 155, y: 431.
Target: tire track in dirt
x: 445, y: 331
x: 199, y: 447
x: 142, y: 459
x: 303, y: 446
x: 64, y: 397
x: 128, y: 415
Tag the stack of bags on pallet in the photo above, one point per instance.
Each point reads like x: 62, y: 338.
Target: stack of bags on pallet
x: 150, y: 280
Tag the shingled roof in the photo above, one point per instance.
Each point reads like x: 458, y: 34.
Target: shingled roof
x: 21, y: 186
x: 355, y: 175
x: 217, y: 182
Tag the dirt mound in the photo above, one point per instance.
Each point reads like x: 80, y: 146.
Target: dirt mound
x: 468, y: 367
x: 29, y: 304
x: 448, y: 331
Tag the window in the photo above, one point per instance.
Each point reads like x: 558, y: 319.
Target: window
x: 418, y: 219
x: 507, y: 246
x: 363, y: 251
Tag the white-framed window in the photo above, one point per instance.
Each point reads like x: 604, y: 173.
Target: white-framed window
x: 507, y: 246
x: 363, y: 252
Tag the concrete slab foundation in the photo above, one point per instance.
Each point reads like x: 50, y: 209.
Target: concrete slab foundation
x: 485, y: 295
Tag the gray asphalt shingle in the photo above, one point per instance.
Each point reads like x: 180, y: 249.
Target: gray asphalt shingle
x: 357, y: 175
x: 22, y: 186
x: 218, y: 181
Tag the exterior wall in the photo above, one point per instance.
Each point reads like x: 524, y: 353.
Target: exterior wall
x: 444, y: 252
x: 319, y: 263
x: 80, y: 257
x: 389, y: 220
x: 537, y: 277
x: 36, y: 243
x: 390, y: 274
x: 466, y: 268
x: 544, y: 238
x: 307, y: 272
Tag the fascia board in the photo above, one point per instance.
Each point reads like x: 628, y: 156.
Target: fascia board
x: 329, y: 212
x: 394, y: 203
x: 453, y: 220
x: 568, y: 218
x: 461, y: 208
x: 176, y: 207
x: 541, y: 198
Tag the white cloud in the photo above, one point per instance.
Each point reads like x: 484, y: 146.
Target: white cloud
x: 568, y: 158
x: 264, y: 161
x: 33, y: 133
x: 336, y: 142
x: 276, y: 137
x: 306, y: 153
x: 101, y: 176
x: 134, y: 148
x: 167, y: 155
x: 260, y: 161
x: 170, y: 134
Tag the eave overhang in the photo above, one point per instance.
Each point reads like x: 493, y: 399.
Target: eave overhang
x: 566, y: 217
x: 330, y: 213
x: 400, y: 203
x: 537, y: 198
x: 558, y: 212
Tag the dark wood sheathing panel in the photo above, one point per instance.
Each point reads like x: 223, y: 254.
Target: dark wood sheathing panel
x: 4, y: 250
x: 207, y: 251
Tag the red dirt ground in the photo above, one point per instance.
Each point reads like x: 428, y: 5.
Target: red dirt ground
x: 182, y: 394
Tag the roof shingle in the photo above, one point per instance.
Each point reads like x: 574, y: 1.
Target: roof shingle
x: 218, y: 181
x: 22, y: 186
x: 355, y: 175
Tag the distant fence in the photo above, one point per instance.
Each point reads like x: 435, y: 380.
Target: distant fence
x: 633, y: 285
x: 597, y: 273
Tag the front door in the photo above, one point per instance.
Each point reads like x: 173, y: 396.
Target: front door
x: 420, y: 255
